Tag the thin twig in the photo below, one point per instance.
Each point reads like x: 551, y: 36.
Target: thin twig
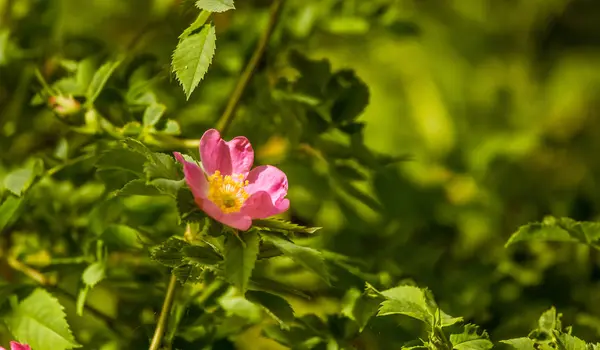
x: 228, y: 115
x: 164, y: 314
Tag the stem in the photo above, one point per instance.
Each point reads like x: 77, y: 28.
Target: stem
x: 164, y: 314
x: 228, y: 115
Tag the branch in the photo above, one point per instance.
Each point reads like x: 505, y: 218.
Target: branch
x: 228, y: 115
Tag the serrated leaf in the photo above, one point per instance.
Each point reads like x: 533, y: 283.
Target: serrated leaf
x: 170, y: 252
x: 169, y: 187
x: 153, y: 113
x: 121, y: 236
x: 192, y: 57
x: 305, y: 256
x: 470, y: 340
x: 94, y: 273
x: 569, y: 342
x: 282, y: 225
x: 202, y: 255
x: 138, y: 188
x: 240, y: 256
x: 161, y: 165
x: 215, y: 5
x: 122, y: 159
x: 559, y: 230
x: 99, y: 80
x: 277, y: 307
x: 523, y: 343
x: 413, y: 302
x: 9, y: 211
x: 188, y: 273
x: 39, y: 321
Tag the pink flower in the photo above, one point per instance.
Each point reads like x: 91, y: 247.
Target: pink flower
x: 17, y: 346
x: 226, y: 189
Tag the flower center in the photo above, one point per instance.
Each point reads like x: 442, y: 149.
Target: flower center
x: 227, y: 192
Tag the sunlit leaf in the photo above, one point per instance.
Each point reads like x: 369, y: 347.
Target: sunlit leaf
x: 469, y: 339
x: 240, y: 256
x: 39, y: 320
x: 192, y: 57
x: 215, y: 5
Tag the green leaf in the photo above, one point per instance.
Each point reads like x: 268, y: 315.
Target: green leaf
x: 188, y: 273
x: 305, y: 256
x: 270, y: 286
x: 162, y: 165
x: 241, y: 252
x: 122, y: 159
x: 413, y: 302
x: 19, y: 180
x: 353, y: 98
x: 559, y: 230
x: 519, y: 343
x: 9, y: 211
x: 282, y: 225
x: 569, y: 342
x: 192, y: 57
x: 153, y: 113
x: 470, y: 340
x: 548, y: 320
x: 202, y: 255
x: 170, y: 252
x: 39, y: 320
x: 94, y: 273
x: 121, y: 236
x: 365, y: 306
x: 215, y: 5
x: 99, y: 80
x: 197, y: 24
x: 171, y: 128
x: 138, y: 188
x: 277, y: 307
x: 169, y: 187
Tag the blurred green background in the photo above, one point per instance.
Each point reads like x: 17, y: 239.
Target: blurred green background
x: 495, y: 102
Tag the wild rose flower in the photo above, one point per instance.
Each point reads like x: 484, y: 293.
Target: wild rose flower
x: 226, y: 189
x: 17, y: 346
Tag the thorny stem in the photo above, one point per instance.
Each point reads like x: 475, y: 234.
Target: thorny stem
x: 52, y: 284
x: 229, y: 113
x: 164, y: 314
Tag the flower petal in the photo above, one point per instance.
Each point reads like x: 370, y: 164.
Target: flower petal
x: 240, y: 221
x: 194, y: 176
x: 214, y: 153
x: 269, y: 179
x: 261, y: 206
x: 17, y: 346
x: 241, y: 154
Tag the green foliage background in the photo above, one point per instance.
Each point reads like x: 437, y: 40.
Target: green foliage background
x: 481, y: 116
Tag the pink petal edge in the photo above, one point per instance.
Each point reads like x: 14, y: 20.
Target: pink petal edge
x: 240, y: 220
x: 241, y: 155
x: 18, y: 346
x: 269, y: 179
x: 215, y: 153
x: 260, y: 206
x: 194, y: 176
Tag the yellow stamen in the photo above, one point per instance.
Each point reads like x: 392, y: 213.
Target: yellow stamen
x: 227, y: 192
